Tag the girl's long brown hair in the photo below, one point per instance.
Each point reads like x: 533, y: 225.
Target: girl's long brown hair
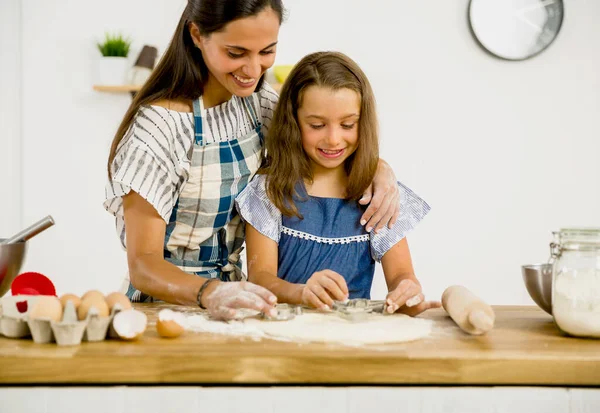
x: 181, y: 73
x: 286, y: 163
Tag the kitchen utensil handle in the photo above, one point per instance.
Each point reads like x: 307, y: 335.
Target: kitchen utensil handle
x: 468, y: 311
x: 31, y: 231
x: 481, y: 320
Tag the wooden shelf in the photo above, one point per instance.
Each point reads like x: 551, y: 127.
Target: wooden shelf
x: 117, y: 89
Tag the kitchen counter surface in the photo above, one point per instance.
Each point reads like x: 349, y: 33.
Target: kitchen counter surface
x: 524, y: 348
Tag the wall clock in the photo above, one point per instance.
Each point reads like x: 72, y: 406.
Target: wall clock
x: 515, y: 29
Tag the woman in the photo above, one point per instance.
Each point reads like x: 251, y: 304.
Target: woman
x: 188, y: 145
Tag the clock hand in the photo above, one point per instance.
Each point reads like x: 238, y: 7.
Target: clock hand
x: 520, y: 14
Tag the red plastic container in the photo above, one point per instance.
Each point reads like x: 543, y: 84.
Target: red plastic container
x: 32, y: 283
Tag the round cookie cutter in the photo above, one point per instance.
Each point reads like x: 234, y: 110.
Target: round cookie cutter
x: 284, y: 312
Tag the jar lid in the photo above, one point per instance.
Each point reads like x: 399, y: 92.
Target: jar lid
x: 578, y: 238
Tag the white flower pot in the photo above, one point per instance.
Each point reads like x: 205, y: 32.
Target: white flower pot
x: 112, y: 71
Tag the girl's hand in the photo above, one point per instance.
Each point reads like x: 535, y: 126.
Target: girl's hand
x: 407, y: 298
x: 225, y: 298
x: 384, y: 198
x: 322, y: 288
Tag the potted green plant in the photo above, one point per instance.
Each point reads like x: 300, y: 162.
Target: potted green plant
x: 112, y: 68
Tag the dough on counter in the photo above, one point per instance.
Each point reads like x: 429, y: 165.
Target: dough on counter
x: 329, y: 328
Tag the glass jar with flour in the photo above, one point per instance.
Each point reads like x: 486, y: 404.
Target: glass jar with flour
x: 576, y: 281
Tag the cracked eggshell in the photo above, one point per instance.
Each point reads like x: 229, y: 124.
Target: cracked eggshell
x: 130, y: 324
x: 170, y: 324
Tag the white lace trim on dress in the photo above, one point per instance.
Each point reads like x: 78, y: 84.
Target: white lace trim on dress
x: 322, y: 240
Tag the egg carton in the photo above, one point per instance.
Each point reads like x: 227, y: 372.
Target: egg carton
x: 66, y: 332
x: 13, y: 315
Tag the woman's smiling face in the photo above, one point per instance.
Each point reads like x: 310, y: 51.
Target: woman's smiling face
x: 242, y: 52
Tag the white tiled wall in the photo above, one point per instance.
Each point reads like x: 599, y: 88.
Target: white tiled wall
x: 299, y: 400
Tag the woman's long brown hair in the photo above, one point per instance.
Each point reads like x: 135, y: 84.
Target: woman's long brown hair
x: 286, y: 163
x: 181, y: 73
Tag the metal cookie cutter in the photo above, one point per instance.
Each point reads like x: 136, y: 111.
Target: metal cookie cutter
x: 357, y: 308
x: 284, y: 312
x: 362, y: 304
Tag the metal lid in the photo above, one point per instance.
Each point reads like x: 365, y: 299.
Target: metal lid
x: 576, y: 239
x: 578, y: 235
x: 583, y: 231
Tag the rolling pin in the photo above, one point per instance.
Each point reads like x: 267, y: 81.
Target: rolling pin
x: 469, y: 312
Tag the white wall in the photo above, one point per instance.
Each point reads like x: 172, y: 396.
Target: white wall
x: 10, y: 113
x: 67, y: 130
x: 505, y: 152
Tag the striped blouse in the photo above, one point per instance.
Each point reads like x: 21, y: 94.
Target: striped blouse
x: 153, y: 159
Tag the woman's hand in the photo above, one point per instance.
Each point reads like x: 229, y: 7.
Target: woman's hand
x: 384, y: 198
x: 407, y: 298
x: 322, y: 288
x: 222, y: 299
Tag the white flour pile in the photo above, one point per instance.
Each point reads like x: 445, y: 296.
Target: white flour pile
x: 325, y: 328
x: 202, y: 324
x: 576, y: 303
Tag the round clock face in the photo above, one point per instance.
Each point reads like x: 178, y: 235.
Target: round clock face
x: 515, y: 29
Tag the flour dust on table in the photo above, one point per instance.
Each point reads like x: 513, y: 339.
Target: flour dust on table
x: 322, y: 328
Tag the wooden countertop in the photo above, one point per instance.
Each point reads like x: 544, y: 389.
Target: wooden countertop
x: 525, y: 348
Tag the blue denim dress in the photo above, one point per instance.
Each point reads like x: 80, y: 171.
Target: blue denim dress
x: 329, y: 236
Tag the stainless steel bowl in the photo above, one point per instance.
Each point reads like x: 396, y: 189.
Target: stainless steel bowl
x: 538, y: 281
x: 11, y: 259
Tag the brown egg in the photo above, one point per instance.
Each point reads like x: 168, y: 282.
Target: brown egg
x: 118, y: 298
x: 46, y: 307
x: 70, y: 297
x: 92, y: 293
x: 86, y: 304
x: 130, y: 324
x: 170, y: 324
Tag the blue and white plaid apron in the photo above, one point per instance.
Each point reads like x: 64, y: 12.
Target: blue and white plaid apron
x: 205, y: 234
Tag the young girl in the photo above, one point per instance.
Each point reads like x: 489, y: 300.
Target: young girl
x: 188, y: 144
x: 303, y: 236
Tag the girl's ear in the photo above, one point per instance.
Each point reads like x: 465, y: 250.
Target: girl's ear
x: 197, y: 38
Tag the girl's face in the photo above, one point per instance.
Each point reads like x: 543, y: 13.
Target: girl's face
x: 328, y: 121
x: 240, y: 54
